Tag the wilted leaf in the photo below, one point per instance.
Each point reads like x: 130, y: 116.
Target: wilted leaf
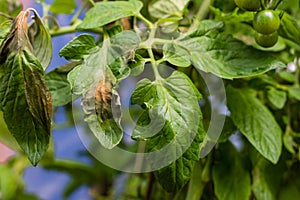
x: 24, y: 95
x: 40, y: 40
x: 101, y: 104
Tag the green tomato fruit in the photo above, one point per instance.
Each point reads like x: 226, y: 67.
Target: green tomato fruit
x: 250, y: 5
x: 266, y: 41
x: 266, y: 22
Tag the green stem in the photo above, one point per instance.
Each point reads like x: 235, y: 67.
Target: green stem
x: 154, y: 65
x: 297, y: 72
x: 71, y: 29
x: 91, y: 2
x: 196, y: 185
x: 76, y: 15
x: 46, y: 8
x: 147, y: 22
x: 6, y: 16
x: 202, y: 12
x: 148, y: 45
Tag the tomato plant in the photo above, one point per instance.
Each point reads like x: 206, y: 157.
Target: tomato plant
x: 266, y: 22
x: 210, y: 114
x: 266, y: 40
x: 248, y: 4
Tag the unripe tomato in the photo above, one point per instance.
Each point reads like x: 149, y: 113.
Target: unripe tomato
x: 266, y: 22
x: 250, y: 5
x: 266, y: 41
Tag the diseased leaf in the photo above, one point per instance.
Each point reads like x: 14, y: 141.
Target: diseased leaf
x: 102, y: 107
x: 26, y: 104
x: 255, y: 122
x: 167, y: 8
x: 78, y: 47
x: 40, y: 39
x: 101, y: 104
x: 115, y: 56
x: 24, y: 95
x: 63, y: 6
x: 17, y: 37
x: 231, y: 179
x: 105, y: 12
x: 171, y: 115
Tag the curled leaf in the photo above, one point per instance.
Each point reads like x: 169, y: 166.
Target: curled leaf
x: 24, y: 95
x: 40, y: 39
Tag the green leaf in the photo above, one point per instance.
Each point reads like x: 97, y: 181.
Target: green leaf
x: 255, y: 122
x: 288, y: 141
x: 176, y: 55
x: 171, y: 115
x: 287, y: 76
x: 167, y: 8
x: 231, y: 179
x: 106, y: 12
x: 41, y: 41
x: 63, y: 6
x: 289, y: 29
x: 26, y: 103
x: 8, y: 183
x: 227, y: 57
x: 5, y: 135
x: 59, y: 85
x: 276, y: 97
x: 289, y: 191
x: 295, y: 92
x: 136, y: 65
x: 204, y: 27
x: 266, y: 178
x: 78, y: 47
x: 124, y: 42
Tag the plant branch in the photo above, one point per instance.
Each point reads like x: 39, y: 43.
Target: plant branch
x: 72, y: 29
x: 76, y: 15
x: 91, y: 2
x: 196, y: 185
x: 6, y: 16
x: 147, y: 22
x: 203, y: 10
x: 297, y: 63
